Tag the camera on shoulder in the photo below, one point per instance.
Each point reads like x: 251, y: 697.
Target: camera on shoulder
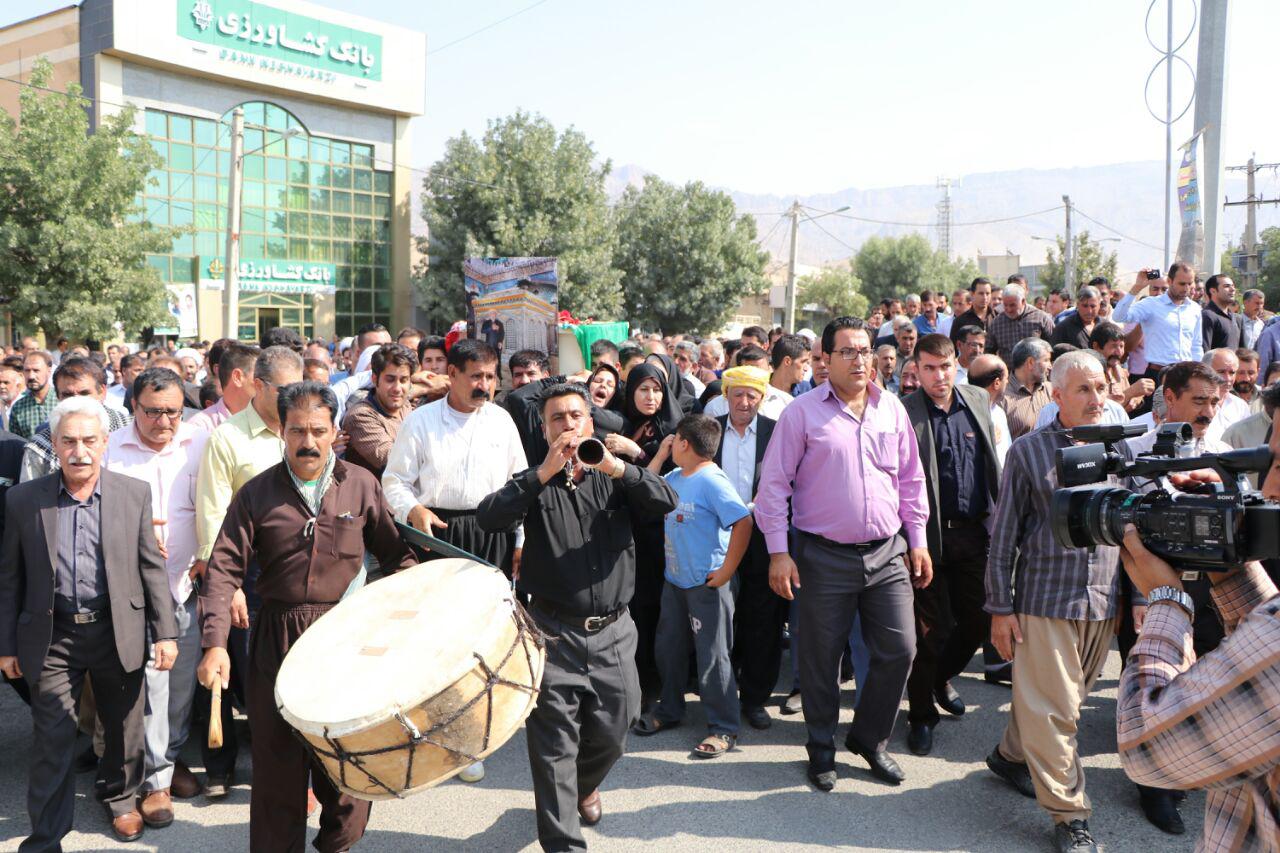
x: 1209, y: 526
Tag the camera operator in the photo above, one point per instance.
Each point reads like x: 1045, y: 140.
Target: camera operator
x: 1054, y: 611
x: 1210, y: 723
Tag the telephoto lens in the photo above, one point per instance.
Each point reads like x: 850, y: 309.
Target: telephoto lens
x: 591, y: 452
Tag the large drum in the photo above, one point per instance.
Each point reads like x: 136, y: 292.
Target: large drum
x: 413, y: 678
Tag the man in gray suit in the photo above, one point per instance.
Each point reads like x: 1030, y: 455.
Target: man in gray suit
x: 953, y: 431
x: 82, y: 592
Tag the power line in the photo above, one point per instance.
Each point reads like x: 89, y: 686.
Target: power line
x: 486, y: 27
x: 811, y: 221
x: 769, y: 233
x: 1116, y: 232
x: 934, y: 224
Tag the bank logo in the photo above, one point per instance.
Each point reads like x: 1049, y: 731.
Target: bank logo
x: 202, y: 13
x: 216, y: 269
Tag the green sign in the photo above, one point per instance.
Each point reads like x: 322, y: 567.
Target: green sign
x: 258, y: 276
x: 256, y: 34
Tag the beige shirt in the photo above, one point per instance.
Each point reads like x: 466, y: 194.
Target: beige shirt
x: 1022, y: 406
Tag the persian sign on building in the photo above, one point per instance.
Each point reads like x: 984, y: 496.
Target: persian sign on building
x: 258, y: 276
x: 512, y: 303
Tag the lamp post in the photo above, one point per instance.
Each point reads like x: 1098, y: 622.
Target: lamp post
x: 795, y: 212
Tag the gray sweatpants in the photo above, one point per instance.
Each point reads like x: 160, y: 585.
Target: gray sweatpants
x: 169, y: 698
x: 704, y: 614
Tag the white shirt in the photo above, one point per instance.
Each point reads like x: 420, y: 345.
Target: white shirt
x: 1197, y: 447
x: 1112, y: 413
x: 1232, y: 411
x: 698, y: 385
x: 771, y: 406
x: 962, y: 374
x: 115, y: 398
x: 738, y: 458
x: 1252, y: 331
x: 445, y: 459
x: 1170, y: 333
x: 1000, y: 424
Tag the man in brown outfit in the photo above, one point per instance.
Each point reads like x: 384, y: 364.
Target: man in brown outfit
x: 341, y: 512
x: 373, y: 424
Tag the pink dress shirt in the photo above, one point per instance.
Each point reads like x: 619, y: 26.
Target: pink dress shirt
x: 211, y: 418
x: 855, y: 480
x: 172, y: 475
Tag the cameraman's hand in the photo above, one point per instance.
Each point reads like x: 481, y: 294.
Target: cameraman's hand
x: 1005, y: 631
x: 1145, y: 569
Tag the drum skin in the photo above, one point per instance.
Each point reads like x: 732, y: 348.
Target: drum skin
x: 445, y: 666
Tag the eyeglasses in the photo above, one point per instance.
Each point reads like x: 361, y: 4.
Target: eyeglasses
x: 157, y: 414
x: 850, y: 353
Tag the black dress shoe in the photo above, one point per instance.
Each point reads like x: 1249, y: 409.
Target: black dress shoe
x: 757, y: 717
x: 920, y: 738
x: 949, y: 700
x: 791, y: 705
x: 883, y: 767
x: 1012, y: 772
x: 87, y: 761
x: 823, y: 780
x: 1161, y: 810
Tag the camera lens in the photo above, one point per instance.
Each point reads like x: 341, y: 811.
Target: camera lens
x: 1083, y: 517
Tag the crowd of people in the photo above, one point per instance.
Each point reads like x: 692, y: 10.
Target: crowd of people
x: 874, y: 498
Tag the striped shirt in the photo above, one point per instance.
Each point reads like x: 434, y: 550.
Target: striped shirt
x: 1212, y: 723
x: 1004, y: 332
x: 1028, y: 572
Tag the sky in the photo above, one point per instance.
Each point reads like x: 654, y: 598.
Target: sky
x: 809, y: 96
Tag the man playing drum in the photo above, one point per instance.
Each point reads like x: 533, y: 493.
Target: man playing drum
x: 340, y: 511
x: 579, y: 568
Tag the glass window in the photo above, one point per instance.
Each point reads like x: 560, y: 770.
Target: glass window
x: 276, y: 169
x: 206, y: 132
x: 361, y: 253
x: 252, y: 193
x: 158, y: 211
x: 224, y: 163
x: 341, y: 227
x: 157, y: 125
x: 340, y: 251
x: 298, y: 172
x: 364, y: 301
x: 161, y: 147
x: 298, y: 198
x: 181, y: 157
x: 206, y: 160
x: 381, y: 278
x: 381, y: 207
x: 361, y: 155
x: 381, y: 230
x: 319, y: 149
x: 341, y: 152
x: 319, y: 250
x: 340, y: 176
x: 363, y: 179
x: 275, y: 196
x: 252, y: 246
x: 182, y: 213
x: 298, y: 224
x: 157, y: 182
x: 297, y: 147
x: 319, y: 225
x: 184, y: 244
x: 344, y: 301
x: 254, y: 167
x: 382, y: 182
x: 276, y: 222
x: 182, y: 186
x: 382, y: 301
x: 253, y: 140
x: 341, y: 201
x: 209, y: 244
x: 297, y: 248
x: 363, y: 204
x: 319, y: 199
x: 275, y: 116
x: 179, y: 128
x: 185, y: 269
x: 255, y: 112
x: 275, y: 144
x: 363, y: 230
x: 253, y: 220
x: 277, y: 249
x: 382, y: 254
x: 206, y: 188
x: 207, y: 217
x: 160, y: 263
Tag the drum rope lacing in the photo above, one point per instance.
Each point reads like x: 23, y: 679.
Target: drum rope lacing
x: 526, y: 632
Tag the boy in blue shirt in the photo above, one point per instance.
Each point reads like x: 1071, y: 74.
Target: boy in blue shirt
x: 702, y: 556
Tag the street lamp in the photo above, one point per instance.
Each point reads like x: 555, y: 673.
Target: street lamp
x: 231, y: 272
x: 789, y: 318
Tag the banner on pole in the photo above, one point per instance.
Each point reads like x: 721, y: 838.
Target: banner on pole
x: 1191, y: 242
x: 182, y: 311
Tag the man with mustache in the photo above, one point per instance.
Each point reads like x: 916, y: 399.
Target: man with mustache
x: 1231, y: 409
x: 33, y: 408
x: 306, y: 522
x: 450, y: 454
x: 1107, y: 339
x: 1245, y: 383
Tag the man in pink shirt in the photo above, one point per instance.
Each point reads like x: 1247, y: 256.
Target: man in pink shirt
x: 845, y: 457
x: 159, y: 449
x: 235, y: 372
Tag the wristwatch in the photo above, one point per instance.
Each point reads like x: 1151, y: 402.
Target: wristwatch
x: 1175, y: 595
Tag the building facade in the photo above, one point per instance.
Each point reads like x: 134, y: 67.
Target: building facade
x: 325, y: 242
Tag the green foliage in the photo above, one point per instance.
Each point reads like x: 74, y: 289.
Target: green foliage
x: 896, y: 266
x: 521, y: 190
x: 838, y: 292
x: 686, y: 257
x: 72, y: 241
x: 1091, y: 261
x: 1268, y: 270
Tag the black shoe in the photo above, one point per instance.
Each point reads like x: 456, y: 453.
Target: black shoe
x: 997, y: 678
x: 757, y: 717
x: 949, y: 700
x: 883, y: 767
x: 87, y: 761
x: 920, y: 738
x: 1012, y: 772
x: 1161, y: 810
x: 1074, y: 837
x: 791, y: 705
x: 823, y: 780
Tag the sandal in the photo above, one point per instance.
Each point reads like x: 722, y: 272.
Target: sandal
x: 646, y: 726
x: 714, y: 746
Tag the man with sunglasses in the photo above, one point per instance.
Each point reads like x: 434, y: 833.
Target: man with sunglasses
x: 163, y: 451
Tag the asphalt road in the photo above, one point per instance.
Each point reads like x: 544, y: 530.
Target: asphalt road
x: 657, y: 798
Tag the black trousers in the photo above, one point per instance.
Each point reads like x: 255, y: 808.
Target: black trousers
x: 758, y: 619
x: 589, y: 698
x: 76, y: 650
x: 950, y: 622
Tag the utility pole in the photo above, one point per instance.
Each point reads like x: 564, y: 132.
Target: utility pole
x: 1251, y: 203
x: 1168, y: 136
x: 1068, y: 252
x: 231, y: 274
x: 789, y: 318
x: 944, y: 218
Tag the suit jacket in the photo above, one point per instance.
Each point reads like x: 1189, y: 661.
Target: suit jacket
x: 764, y: 431
x: 917, y: 405
x: 136, y: 581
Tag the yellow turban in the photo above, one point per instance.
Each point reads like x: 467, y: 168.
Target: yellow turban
x: 744, y: 377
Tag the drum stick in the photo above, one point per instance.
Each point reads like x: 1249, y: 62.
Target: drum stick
x: 215, y: 716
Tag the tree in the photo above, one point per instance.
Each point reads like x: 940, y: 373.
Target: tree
x: 836, y: 291
x: 72, y: 239
x: 896, y: 266
x: 686, y: 257
x: 521, y: 190
x: 1091, y: 262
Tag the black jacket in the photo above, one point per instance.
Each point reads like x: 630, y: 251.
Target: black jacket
x: 1221, y: 329
x: 525, y: 407
x: 764, y: 432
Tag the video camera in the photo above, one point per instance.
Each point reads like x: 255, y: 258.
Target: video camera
x: 1212, y: 527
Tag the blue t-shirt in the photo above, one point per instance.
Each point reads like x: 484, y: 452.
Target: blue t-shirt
x: 698, y: 528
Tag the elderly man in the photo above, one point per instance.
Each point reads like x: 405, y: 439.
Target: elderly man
x: 988, y: 372
x: 34, y: 407
x: 1231, y: 409
x: 711, y: 358
x: 1077, y: 328
x: 886, y: 369
x: 1222, y: 326
x: 1017, y: 322
x: 235, y: 374
x: 163, y: 451
x: 1029, y: 390
x: 82, y: 593
x: 1053, y: 612
x: 306, y: 521
x: 74, y: 377
x: 760, y: 612
x: 1171, y: 323
x: 905, y: 336
x: 685, y: 355
x: 1252, y: 310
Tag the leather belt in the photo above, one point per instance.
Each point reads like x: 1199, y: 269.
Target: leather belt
x: 84, y: 618
x: 590, y: 624
x: 851, y: 546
